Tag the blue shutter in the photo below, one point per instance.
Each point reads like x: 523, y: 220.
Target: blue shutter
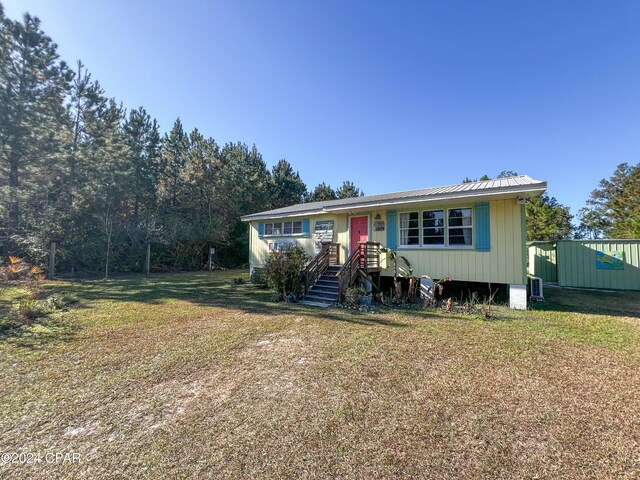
x: 392, y: 229
x: 483, y: 234
x: 306, y: 229
x: 260, y: 230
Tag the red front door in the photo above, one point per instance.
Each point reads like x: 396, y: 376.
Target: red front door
x: 359, y: 229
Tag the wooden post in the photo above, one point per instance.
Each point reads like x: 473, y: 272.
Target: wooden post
x: 147, y: 261
x: 52, y: 260
x: 209, y: 258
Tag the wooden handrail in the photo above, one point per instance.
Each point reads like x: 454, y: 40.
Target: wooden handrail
x: 366, y: 256
x: 328, y: 255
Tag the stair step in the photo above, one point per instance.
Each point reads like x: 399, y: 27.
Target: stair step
x: 314, y: 291
x: 318, y: 298
x: 325, y: 288
x: 328, y: 295
x: 315, y: 304
x: 328, y: 278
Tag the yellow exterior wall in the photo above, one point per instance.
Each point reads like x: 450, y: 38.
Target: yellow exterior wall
x: 504, y: 263
x: 259, y: 247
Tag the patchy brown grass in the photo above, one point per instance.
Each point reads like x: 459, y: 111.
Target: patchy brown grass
x: 182, y: 376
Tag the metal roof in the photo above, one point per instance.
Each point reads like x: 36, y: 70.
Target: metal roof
x: 521, y: 185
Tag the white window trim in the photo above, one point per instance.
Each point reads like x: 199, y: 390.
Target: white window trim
x: 278, y: 235
x: 472, y: 227
x: 422, y: 227
x: 446, y: 245
x: 400, y: 228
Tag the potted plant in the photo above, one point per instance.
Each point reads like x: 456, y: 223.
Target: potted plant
x: 366, y: 300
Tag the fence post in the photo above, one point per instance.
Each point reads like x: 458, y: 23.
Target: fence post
x: 52, y: 260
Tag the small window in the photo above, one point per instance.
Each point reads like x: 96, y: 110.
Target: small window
x: 460, y: 226
x: 433, y: 227
x: 409, y: 228
x: 283, y: 228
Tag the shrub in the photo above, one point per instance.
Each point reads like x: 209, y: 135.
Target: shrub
x: 258, y: 278
x: 353, y: 294
x: 28, y: 309
x: 283, y: 271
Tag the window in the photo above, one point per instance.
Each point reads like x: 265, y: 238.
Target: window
x: 409, y: 228
x: 451, y: 227
x: 460, y: 226
x: 283, y: 228
x: 433, y: 227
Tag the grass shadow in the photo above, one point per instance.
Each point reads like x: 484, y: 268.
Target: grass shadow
x: 214, y: 289
x: 44, y: 331
x: 597, y: 302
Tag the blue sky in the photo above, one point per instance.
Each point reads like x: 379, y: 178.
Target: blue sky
x: 390, y: 95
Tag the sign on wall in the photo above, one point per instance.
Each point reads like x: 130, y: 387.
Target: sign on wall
x: 612, y: 260
x: 323, y: 233
x: 378, y: 223
x: 281, y: 245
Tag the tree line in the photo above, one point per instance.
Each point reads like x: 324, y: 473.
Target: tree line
x: 79, y: 169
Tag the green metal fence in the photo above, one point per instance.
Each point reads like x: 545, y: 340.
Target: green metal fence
x: 542, y: 261
x: 604, y: 264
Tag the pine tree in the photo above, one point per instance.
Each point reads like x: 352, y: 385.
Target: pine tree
x: 592, y: 225
x: 143, y: 139
x: 34, y: 83
x: 617, y: 202
x: 287, y: 186
x: 505, y: 174
x: 104, y: 194
x: 348, y: 190
x: 547, y: 219
x: 321, y: 193
x: 175, y: 149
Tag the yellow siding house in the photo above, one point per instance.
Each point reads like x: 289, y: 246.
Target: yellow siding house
x: 473, y: 232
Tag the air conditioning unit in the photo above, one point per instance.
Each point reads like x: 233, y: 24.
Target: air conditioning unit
x: 536, y: 289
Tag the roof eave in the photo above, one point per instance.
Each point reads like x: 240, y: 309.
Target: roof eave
x: 264, y: 216
x: 524, y: 190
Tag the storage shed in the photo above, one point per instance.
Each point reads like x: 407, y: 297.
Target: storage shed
x: 603, y: 264
x: 607, y: 264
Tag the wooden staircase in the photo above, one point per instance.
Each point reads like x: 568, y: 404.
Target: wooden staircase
x: 325, y: 291
x: 326, y: 280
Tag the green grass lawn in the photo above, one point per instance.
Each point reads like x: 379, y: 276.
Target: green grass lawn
x: 190, y: 375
